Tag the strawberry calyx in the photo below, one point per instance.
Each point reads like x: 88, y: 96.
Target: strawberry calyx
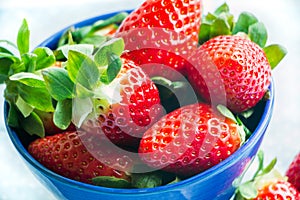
x: 174, y: 94
x: 264, y: 175
x: 242, y: 128
x: 111, y: 182
x: 83, y: 68
x: 92, y: 34
x: 222, y: 22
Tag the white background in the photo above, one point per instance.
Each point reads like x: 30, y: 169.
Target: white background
x: 281, y: 18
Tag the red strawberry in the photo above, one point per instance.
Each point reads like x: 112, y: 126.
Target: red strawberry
x: 230, y: 70
x: 293, y: 172
x: 190, y: 140
x: 162, y: 32
x: 133, y: 107
x: 267, y: 184
x: 68, y: 155
x: 278, y: 190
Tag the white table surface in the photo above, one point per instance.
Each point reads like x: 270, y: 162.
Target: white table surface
x: 46, y: 17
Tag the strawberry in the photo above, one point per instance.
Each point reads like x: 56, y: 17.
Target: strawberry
x: 230, y: 70
x: 135, y: 107
x: 233, y: 64
x: 267, y: 183
x: 293, y: 172
x: 190, y: 140
x: 68, y: 155
x: 162, y: 33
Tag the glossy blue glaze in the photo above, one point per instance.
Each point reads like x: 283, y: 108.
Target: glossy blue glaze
x: 215, y: 183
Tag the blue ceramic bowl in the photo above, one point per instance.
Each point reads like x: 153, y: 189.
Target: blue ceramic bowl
x: 215, y: 183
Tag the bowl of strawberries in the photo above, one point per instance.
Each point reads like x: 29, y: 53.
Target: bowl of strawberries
x: 157, y: 102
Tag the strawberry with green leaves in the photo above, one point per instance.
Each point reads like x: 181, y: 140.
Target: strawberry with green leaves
x: 267, y: 183
x: 160, y: 34
x: 93, y: 89
x: 293, y: 172
x: 191, y: 139
x: 232, y: 66
x: 125, y: 109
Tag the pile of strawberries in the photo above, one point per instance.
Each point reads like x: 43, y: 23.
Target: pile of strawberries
x: 142, y: 99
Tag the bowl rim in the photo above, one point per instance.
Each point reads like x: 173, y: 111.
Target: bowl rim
x: 231, y: 160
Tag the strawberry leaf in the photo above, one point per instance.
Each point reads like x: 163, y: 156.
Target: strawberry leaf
x: 82, y: 69
x: 226, y: 112
x: 95, y: 40
x: 258, y: 34
x: 63, y: 114
x: 23, y: 107
x: 45, y: 58
x: 58, y: 83
x: 218, y: 23
x: 29, y: 61
x: 146, y: 180
x: 244, y: 21
x: 113, y: 68
x: 275, y: 53
x: 115, y: 46
x: 29, y: 79
x: 224, y: 8
x: 33, y: 125
x: 30, y: 86
x: 13, y: 115
x: 82, y: 107
x: 23, y: 38
x: 111, y: 182
x: 86, y: 49
x: 248, y: 190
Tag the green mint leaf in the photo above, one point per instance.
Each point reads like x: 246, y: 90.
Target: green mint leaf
x: 82, y: 70
x: 146, y: 180
x: 244, y: 21
x: 275, y: 53
x: 115, y: 46
x: 29, y: 60
x: 33, y: 125
x: 23, y: 38
x: 258, y: 33
x: 63, y: 114
x: 112, y: 70
x: 226, y: 112
x: 23, y: 107
x: 111, y: 182
x: 45, y: 57
x: 58, y: 83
